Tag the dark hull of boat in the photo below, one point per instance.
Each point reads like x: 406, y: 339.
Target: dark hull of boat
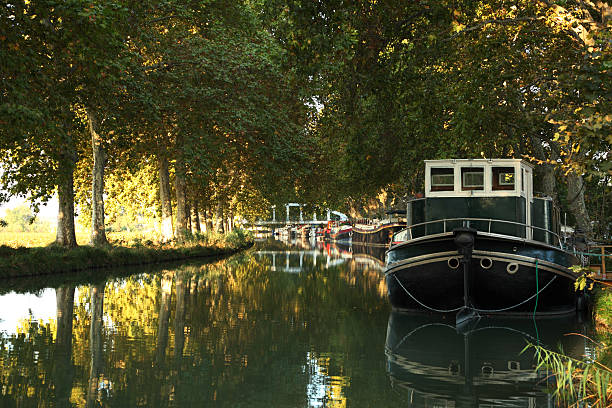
x: 502, y: 277
x: 429, y: 356
x: 378, y: 236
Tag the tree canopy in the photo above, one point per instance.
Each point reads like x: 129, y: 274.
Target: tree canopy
x: 231, y: 108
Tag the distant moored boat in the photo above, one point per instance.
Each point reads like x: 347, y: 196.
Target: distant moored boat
x: 381, y: 232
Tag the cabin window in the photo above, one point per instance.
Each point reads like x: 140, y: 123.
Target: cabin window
x: 523, y: 180
x: 503, y: 178
x: 472, y: 178
x: 442, y: 179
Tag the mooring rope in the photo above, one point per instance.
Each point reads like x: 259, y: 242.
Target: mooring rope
x: 424, y: 305
x: 519, y: 304
x: 473, y: 308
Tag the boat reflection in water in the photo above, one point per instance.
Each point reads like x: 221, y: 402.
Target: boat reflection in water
x: 299, y: 255
x: 483, y: 367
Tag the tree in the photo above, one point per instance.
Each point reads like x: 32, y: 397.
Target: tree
x: 401, y: 82
x: 23, y: 219
x: 68, y: 53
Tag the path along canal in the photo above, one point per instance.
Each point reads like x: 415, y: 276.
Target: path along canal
x: 280, y: 325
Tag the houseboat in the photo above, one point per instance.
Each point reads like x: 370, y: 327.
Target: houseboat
x: 480, y: 242
x: 380, y: 232
x: 338, y: 231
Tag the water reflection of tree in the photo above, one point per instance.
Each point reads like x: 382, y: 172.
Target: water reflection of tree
x: 35, y: 370
x: 96, y: 369
x: 233, y: 326
x: 62, y: 362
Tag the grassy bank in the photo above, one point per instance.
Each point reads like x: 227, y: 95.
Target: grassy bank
x: 18, y: 261
x: 602, y: 316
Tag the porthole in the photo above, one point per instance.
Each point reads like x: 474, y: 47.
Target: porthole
x: 453, y: 263
x: 512, y: 268
x: 486, y: 263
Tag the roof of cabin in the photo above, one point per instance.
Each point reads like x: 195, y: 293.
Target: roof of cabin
x: 492, y: 161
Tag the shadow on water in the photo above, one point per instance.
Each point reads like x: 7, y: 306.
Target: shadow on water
x: 301, y: 324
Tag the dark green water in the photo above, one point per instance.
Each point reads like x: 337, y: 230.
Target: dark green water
x: 276, y: 326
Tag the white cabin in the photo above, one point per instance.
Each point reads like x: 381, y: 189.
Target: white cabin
x: 479, y: 178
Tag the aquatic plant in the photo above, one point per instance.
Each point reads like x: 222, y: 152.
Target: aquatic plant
x: 577, y: 383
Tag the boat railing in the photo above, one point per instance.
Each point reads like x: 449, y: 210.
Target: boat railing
x: 489, y: 225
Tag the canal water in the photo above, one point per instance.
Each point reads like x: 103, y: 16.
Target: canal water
x: 283, y: 324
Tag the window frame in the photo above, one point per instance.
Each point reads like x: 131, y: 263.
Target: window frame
x: 449, y: 172
x: 465, y: 171
x: 452, y: 184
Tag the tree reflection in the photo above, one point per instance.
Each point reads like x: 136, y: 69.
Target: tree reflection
x: 96, y: 370
x: 164, y: 317
x: 234, y: 325
x: 62, y: 368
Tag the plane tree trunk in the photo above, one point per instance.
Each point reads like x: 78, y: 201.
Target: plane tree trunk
x: 575, y: 201
x: 66, y: 235
x: 167, y: 231
x: 219, y: 218
x: 195, y: 221
x: 98, y: 233
x: 548, y: 181
x: 209, y: 220
x: 180, y: 187
x: 188, y: 214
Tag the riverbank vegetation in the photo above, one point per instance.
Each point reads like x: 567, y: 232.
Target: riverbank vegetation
x: 35, y: 261
x: 577, y: 382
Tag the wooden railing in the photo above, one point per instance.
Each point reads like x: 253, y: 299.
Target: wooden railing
x: 601, y: 254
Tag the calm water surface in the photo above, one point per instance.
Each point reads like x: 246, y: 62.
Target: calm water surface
x: 281, y: 325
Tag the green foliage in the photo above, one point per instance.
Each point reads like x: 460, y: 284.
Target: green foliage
x: 238, y: 237
x: 17, y: 262
x: 23, y: 219
x: 398, y: 82
x: 577, y: 382
x: 602, y: 306
x: 132, y: 201
x: 266, y: 101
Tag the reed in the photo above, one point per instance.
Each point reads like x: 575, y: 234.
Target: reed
x: 577, y: 383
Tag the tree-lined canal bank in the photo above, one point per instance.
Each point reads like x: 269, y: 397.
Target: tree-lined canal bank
x: 285, y: 326
x: 54, y: 259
